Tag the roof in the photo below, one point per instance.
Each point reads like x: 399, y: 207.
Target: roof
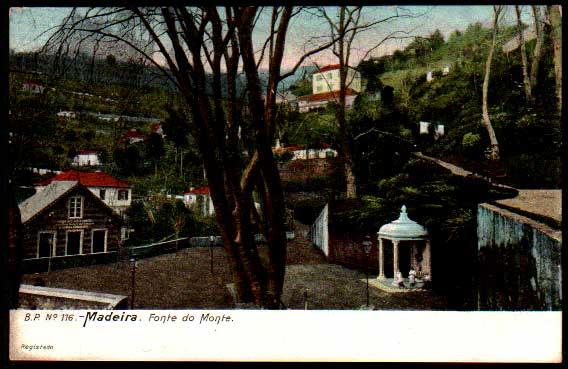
x: 326, y: 95
x: 89, y: 179
x: 203, y: 190
x: 329, y: 67
x: 155, y: 127
x: 544, y: 203
x: 87, y: 152
x: 41, y: 200
x: 133, y: 133
x: 403, y: 228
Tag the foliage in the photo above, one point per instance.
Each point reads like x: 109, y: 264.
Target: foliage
x: 306, y: 211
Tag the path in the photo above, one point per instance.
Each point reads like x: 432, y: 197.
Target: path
x: 459, y: 171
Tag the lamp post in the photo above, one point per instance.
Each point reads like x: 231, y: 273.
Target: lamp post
x: 133, y: 281
x: 211, y: 241
x: 367, y: 244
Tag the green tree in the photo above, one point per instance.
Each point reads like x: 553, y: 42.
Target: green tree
x: 154, y: 149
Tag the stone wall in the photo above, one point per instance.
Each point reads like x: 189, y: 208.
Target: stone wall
x: 519, y: 262
x: 37, y: 297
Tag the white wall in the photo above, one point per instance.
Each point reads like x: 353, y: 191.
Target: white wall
x: 329, y: 81
x: 319, y: 232
x: 111, y: 197
x: 86, y: 159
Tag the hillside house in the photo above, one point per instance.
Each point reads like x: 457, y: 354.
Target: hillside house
x: 302, y: 153
x: 320, y: 100
x: 66, y: 114
x: 133, y: 136
x: 66, y: 219
x: 33, y: 87
x: 327, y: 79
x: 86, y: 158
x: 115, y: 193
x: 157, y: 128
x: 200, y: 199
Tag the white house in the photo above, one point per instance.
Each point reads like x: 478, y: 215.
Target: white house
x: 302, y: 153
x: 439, y: 131
x: 327, y: 79
x: 446, y: 70
x: 316, y: 101
x: 67, y: 114
x: 116, y: 193
x: 424, y: 128
x: 86, y: 157
x: 430, y: 76
x: 200, y: 199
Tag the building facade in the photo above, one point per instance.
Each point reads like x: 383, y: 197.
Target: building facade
x: 67, y: 219
x: 327, y: 79
x: 200, y: 199
x: 86, y: 158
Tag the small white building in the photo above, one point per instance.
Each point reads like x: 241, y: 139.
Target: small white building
x: 86, y: 158
x: 424, y: 128
x: 67, y: 114
x: 430, y: 76
x: 439, y: 131
x: 200, y: 199
x: 302, y: 153
x: 446, y: 70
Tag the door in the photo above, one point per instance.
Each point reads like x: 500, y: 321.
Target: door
x: 45, y: 247
x: 99, y: 240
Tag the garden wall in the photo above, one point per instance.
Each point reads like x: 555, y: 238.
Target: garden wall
x: 37, y: 297
x: 519, y: 262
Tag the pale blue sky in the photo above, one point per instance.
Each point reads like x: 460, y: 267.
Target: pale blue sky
x: 27, y: 24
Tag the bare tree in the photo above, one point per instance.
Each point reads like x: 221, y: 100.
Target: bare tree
x: 346, y: 26
x: 537, y: 53
x: 202, y: 47
x: 497, y: 9
x: 555, y: 16
x: 526, y: 77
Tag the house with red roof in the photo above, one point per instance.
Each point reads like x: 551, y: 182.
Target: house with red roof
x: 86, y: 158
x: 157, y: 128
x: 33, y: 87
x: 115, y: 193
x: 133, y: 135
x: 200, y: 199
x: 325, y: 88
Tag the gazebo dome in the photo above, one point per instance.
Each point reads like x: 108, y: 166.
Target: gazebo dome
x: 403, y: 228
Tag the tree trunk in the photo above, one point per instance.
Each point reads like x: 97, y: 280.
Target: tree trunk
x: 350, y: 181
x: 556, y: 24
x: 537, y: 55
x: 486, y: 120
x: 526, y: 79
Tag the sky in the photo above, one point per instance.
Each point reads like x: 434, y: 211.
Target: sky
x: 28, y: 28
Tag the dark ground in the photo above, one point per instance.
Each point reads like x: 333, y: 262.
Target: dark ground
x: 184, y: 280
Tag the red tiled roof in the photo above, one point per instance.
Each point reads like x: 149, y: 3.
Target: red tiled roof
x: 133, y: 133
x: 329, y: 67
x: 280, y: 150
x: 86, y: 152
x: 89, y: 179
x: 203, y: 190
x: 326, y: 95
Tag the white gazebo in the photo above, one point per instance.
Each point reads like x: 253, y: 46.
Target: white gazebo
x: 405, y: 233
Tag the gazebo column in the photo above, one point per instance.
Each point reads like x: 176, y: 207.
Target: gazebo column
x: 381, y: 260
x: 395, y: 257
x: 426, y: 259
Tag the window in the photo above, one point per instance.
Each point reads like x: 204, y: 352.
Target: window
x: 75, y: 207
x: 98, y: 240
x: 46, y: 244
x: 74, y: 244
x: 102, y: 194
x: 123, y: 194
